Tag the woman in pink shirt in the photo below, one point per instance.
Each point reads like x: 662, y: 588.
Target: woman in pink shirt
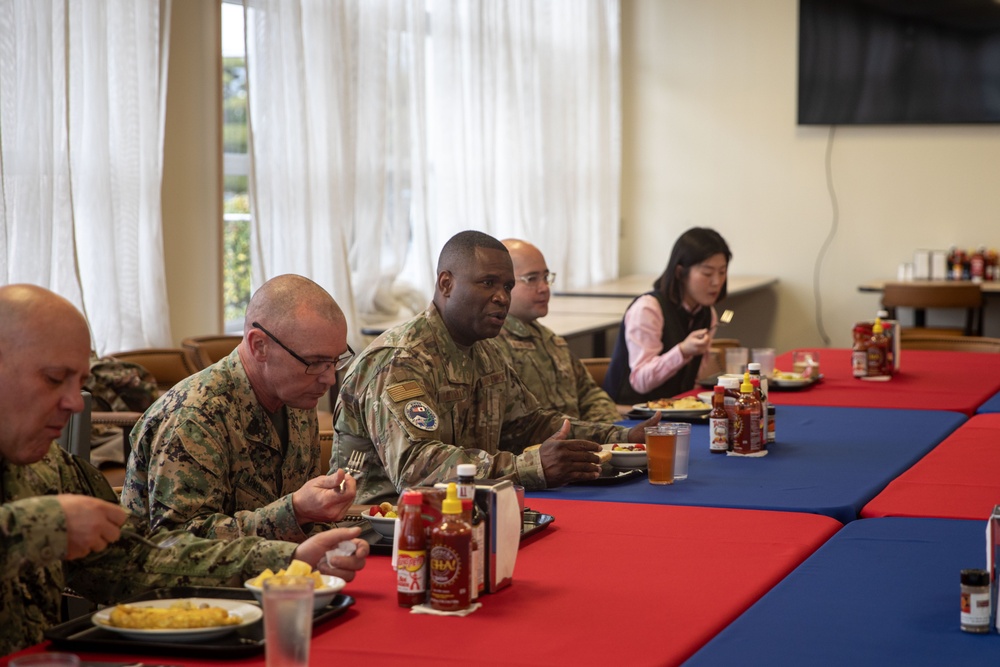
x: 666, y: 332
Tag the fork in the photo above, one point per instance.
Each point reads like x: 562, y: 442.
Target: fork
x: 724, y: 319
x: 354, y: 465
x: 165, y: 544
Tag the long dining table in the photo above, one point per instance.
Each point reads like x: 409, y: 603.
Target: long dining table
x: 826, y: 460
x: 927, y: 380
x: 958, y: 479
x: 879, y: 592
x: 604, y: 583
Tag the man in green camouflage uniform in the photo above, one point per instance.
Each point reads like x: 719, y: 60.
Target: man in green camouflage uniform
x: 234, y: 449
x: 435, y: 392
x: 541, y: 358
x: 59, y: 522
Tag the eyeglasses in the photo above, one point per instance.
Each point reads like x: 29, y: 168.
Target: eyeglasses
x: 536, y: 279
x: 312, y: 367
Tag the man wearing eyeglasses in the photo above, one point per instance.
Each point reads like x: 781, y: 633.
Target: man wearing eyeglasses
x: 541, y: 358
x: 234, y: 450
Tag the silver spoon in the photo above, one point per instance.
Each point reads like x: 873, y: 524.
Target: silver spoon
x: 165, y: 544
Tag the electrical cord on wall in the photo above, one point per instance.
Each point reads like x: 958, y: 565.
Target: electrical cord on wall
x: 835, y: 220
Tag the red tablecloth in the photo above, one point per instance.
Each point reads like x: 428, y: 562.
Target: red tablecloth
x: 928, y: 380
x: 606, y: 583
x: 958, y: 479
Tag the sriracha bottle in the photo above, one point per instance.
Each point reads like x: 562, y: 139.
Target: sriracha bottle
x: 450, y: 556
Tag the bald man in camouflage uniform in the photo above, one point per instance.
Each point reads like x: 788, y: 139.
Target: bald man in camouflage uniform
x: 60, y: 521
x: 540, y: 357
x: 436, y: 391
x: 234, y: 449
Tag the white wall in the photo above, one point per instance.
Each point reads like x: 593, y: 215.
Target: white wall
x: 710, y: 139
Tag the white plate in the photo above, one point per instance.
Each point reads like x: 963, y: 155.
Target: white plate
x: 383, y: 526
x: 626, y: 459
x: 801, y: 382
x: 706, y: 396
x: 673, y: 412
x: 250, y: 613
x: 321, y: 596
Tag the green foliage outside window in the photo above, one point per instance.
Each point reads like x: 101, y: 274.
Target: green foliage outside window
x: 236, y: 257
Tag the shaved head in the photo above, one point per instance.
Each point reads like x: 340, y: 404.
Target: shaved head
x: 282, y: 296
x: 528, y: 300
x: 44, y: 361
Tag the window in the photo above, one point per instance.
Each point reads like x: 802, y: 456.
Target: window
x: 236, y: 170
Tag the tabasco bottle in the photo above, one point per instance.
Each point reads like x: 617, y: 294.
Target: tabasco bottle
x: 450, y: 556
x: 718, y: 422
x: 470, y: 512
x: 411, y: 559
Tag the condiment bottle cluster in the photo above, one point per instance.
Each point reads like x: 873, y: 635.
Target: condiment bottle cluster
x: 741, y: 421
x: 875, y: 353
x: 441, y: 564
x: 980, y: 265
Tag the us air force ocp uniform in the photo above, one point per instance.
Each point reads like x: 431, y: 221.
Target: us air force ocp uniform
x: 545, y: 364
x: 419, y: 405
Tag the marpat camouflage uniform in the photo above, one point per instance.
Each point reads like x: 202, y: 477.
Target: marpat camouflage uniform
x: 418, y: 405
x: 545, y: 364
x: 207, y: 458
x: 33, y: 536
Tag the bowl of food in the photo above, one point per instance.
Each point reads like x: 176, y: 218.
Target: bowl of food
x: 326, y: 586
x: 382, y: 518
x: 627, y: 454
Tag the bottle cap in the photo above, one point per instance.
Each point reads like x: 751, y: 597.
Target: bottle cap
x: 882, y: 314
x: 975, y: 577
x: 877, y: 327
x: 719, y: 389
x: 753, y: 366
x: 746, y: 387
x: 451, y: 504
x: 467, y: 470
x: 729, y: 383
x: 413, y: 498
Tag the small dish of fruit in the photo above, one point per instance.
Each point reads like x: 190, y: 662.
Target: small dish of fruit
x: 382, y: 518
x: 627, y: 454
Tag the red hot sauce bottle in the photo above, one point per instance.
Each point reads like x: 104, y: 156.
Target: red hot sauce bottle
x: 411, y: 557
x: 450, y: 556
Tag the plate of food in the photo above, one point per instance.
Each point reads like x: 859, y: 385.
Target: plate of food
x: 689, y: 406
x: 178, y: 619
x: 787, y: 380
x: 627, y: 454
x: 326, y: 586
x: 382, y: 518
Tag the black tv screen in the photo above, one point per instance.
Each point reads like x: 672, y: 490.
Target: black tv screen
x: 898, y: 61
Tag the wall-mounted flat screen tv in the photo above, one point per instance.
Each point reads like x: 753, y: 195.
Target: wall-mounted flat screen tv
x: 898, y: 61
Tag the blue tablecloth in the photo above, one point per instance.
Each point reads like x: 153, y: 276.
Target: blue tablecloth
x: 828, y: 461
x: 879, y: 592
x: 991, y: 405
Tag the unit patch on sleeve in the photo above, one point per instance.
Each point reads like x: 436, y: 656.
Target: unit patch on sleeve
x: 420, y: 415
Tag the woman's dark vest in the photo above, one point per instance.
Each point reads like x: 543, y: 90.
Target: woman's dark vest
x: 677, y: 324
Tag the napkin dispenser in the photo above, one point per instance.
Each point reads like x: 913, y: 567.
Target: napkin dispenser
x: 497, y: 501
x: 993, y: 562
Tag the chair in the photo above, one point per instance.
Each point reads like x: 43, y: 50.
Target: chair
x: 941, y: 295
x: 206, y: 350
x: 325, y: 449
x: 598, y: 367
x: 952, y: 343
x: 169, y: 365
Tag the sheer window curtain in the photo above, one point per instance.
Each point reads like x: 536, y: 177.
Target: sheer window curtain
x: 379, y: 128
x: 82, y: 93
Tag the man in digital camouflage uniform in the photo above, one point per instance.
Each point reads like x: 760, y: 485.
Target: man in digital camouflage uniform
x: 436, y: 391
x: 59, y: 521
x: 541, y: 358
x: 234, y: 449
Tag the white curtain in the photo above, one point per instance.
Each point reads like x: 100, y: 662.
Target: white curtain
x: 337, y: 172
x: 82, y: 93
x: 379, y: 128
x: 526, y: 128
